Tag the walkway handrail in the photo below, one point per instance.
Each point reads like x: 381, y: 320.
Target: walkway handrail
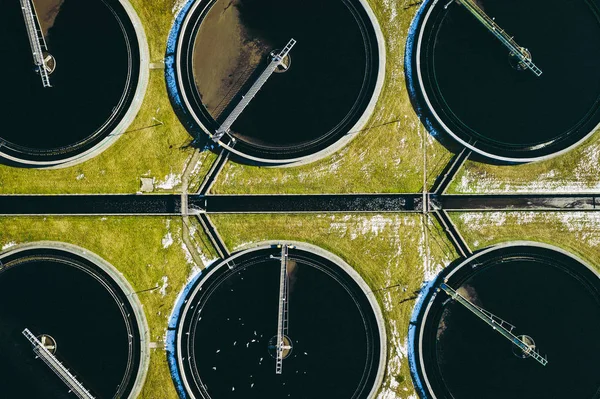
x: 262, y: 79
x: 36, y: 40
x: 282, y: 315
x: 496, y: 323
x: 57, y: 367
x: 516, y: 50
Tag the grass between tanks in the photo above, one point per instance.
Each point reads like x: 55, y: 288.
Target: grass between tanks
x: 135, y: 246
x: 145, y: 148
x: 386, y: 157
x: 386, y: 250
x: 157, y: 18
x: 575, y: 171
x: 159, y: 383
x: 577, y: 232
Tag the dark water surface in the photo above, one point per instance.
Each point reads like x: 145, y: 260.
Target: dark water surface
x: 90, y: 204
x: 553, y: 300
x: 307, y: 203
x: 335, y: 339
x: 93, y: 62
x: 51, y: 294
x: 328, y: 68
x: 481, y: 97
x: 331, y: 79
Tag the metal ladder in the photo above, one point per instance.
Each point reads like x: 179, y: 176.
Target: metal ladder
x: 57, y: 367
x: 246, y: 98
x: 282, y: 320
x: 36, y: 40
x: 520, y: 52
x: 504, y: 328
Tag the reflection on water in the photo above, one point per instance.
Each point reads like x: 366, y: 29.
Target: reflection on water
x: 47, y: 11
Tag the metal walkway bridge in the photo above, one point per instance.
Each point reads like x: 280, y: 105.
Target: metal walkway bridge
x: 36, y: 40
x: 282, y: 321
x: 262, y: 79
x: 57, y: 367
x: 521, y: 53
x: 504, y: 328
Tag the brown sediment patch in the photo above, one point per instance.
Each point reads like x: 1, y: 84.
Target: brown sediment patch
x: 466, y: 291
x: 47, y: 10
x: 469, y: 292
x: 225, y: 55
x: 226, y: 45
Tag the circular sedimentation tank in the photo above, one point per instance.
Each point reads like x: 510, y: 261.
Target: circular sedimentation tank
x: 545, y: 296
x: 470, y: 87
x: 316, y: 106
x: 77, y: 307
x: 97, y: 63
x: 334, y: 343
